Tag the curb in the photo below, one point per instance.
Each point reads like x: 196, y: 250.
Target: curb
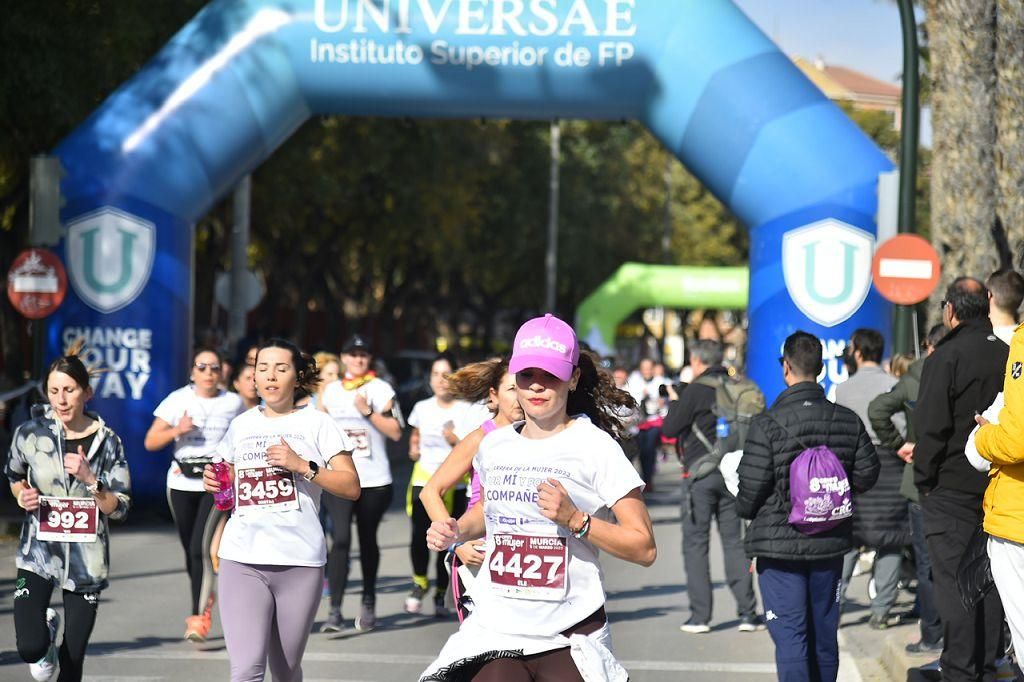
x: 859, y: 665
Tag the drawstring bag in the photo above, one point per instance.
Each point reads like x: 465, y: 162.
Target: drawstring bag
x: 820, y: 497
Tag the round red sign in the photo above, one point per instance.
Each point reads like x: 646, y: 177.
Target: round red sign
x: 36, y: 283
x: 906, y: 269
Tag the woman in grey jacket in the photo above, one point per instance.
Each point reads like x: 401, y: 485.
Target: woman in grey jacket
x: 68, y: 471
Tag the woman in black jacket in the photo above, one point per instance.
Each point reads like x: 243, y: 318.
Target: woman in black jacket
x: 800, y: 575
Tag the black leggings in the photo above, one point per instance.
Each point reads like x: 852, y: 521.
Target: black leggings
x: 368, y: 511
x: 31, y: 599
x: 418, y: 551
x: 196, y: 520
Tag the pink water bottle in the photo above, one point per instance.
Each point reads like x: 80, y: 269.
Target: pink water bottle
x: 224, y: 498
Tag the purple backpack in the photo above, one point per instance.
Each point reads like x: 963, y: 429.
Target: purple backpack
x: 819, y: 489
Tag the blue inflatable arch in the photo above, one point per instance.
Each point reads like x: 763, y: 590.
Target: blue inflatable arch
x: 235, y: 82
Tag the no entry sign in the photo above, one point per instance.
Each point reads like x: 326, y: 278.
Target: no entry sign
x: 36, y: 283
x: 906, y: 269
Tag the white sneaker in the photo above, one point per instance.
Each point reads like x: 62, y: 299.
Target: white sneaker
x: 695, y: 628
x: 414, y: 602
x: 43, y: 669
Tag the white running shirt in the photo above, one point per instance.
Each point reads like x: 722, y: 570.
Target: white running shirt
x: 370, y: 454
x: 595, y: 472
x: 282, y: 538
x: 430, y: 418
x: 210, y: 417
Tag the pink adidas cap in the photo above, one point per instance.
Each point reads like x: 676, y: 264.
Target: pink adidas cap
x: 546, y: 343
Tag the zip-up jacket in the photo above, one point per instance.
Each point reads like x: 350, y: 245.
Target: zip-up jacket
x: 961, y: 378
x: 1003, y: 445
x: 901, y: 398
x: 801, y: 417
x: 37, y: 457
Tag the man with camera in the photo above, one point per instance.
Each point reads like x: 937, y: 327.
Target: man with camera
x: 692, y: 419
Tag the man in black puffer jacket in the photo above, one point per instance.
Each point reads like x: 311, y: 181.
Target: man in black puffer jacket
x: 800, y: 575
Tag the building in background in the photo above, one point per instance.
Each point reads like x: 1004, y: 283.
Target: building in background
x: 843, y: 84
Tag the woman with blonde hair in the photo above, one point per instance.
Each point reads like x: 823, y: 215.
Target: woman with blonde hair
x: 329, y: 365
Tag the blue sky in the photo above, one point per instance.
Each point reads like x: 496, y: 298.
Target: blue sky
x: 860, y: 34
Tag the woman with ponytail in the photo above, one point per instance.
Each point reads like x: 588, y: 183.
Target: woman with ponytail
x: 487, y: 382
x: 273, y: 552
x: 556, y: 489
x: 68, y: 471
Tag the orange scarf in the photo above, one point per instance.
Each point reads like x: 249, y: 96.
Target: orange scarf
x: 358, y: 382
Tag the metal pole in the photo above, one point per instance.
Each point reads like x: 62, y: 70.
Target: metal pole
x: 902, y: 340
x: 666, y: 233
x: 239, y: 259
x: 551, y: 258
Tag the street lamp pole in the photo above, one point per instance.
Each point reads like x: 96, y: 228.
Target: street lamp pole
x: 551, y: 258
x: 903, y: 335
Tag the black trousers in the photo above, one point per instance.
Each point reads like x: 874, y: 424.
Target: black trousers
x: 367, y: 511
x: 931, y: 623
x: 31, y: 599
x: 196, y: 519
x: 973, y: 639
x: 703, y: 501
x: 418, y: 551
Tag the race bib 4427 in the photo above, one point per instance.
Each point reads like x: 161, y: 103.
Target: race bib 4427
x: 529, y: 566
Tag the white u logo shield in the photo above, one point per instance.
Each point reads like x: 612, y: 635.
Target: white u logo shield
x: 827, y: 268
x: 109, y: 257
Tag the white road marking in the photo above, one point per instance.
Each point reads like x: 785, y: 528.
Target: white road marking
x: 422, y: 661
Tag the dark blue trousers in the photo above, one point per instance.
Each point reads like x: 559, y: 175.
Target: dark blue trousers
x: 801, y: 608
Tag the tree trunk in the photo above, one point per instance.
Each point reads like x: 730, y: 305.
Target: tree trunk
x: 963, y: 193
x: 1009, y: 119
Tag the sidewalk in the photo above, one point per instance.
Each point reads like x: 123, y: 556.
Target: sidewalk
x: 880, y: 654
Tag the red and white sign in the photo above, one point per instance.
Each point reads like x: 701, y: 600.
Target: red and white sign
x: 906, y: 269
x: 529, y: 566
x: 68, y: 519
x: 265, y: 489
x: 36, y: 283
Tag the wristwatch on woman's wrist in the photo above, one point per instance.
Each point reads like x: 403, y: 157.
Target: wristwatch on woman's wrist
x: 96, y: 488
x: 314, y: 469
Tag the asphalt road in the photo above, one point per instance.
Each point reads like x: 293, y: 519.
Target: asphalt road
x: 141, y: 618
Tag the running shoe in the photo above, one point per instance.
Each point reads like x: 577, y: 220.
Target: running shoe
x: 367, y: 618
x: 694, y: 628
x: 333, y: 622
x: 197, y: 628
x: 414, y: 602
x: 751, y: 624
x: 923, y: 648
x: 440, y: 609
x: 43, y: 669
x: 876, y: 622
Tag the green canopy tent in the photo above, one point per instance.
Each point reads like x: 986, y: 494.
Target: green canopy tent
x: 637, y: 285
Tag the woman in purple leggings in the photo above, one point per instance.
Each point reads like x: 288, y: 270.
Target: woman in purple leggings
x: 272, y: 554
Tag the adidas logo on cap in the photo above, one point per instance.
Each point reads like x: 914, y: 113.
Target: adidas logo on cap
x: 545, y: 342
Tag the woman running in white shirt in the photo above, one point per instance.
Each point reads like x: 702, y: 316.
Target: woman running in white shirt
x: 273, y: 551
x: 437, y: 424
x: 487, y: 382
x: 365, y: 408
x: 556, y: 490
x: 195, y: 418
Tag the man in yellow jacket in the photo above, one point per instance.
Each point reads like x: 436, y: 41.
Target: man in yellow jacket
x: 1002, y: 444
